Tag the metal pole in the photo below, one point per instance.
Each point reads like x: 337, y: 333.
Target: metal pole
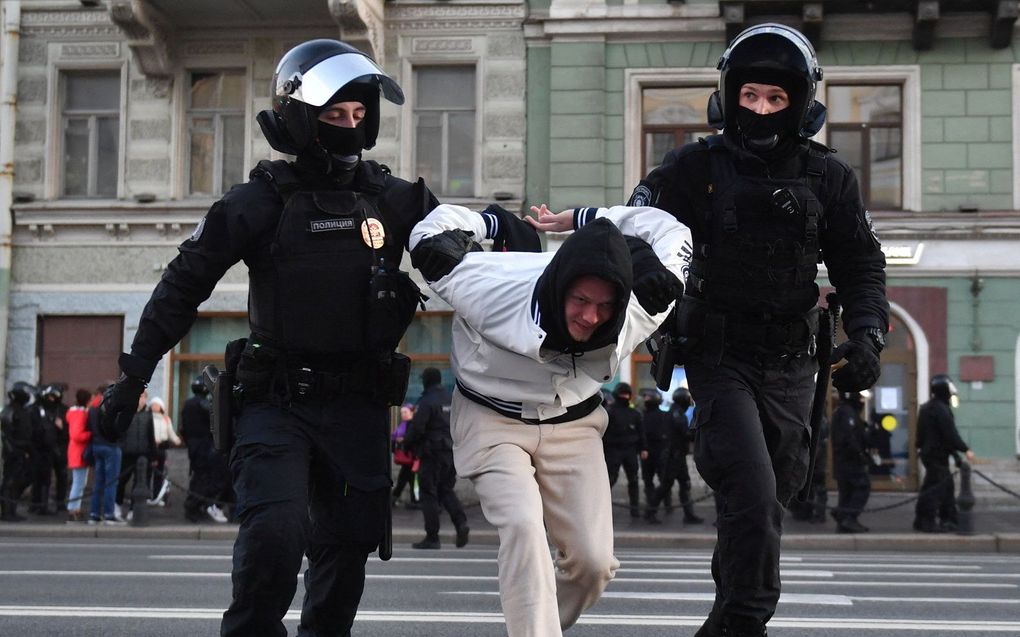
x: 965, y: 502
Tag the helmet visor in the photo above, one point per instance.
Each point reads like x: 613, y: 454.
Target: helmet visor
x: 320, y: 82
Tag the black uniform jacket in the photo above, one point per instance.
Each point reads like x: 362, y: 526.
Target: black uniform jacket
x: 937, y: 436
x: 241, y: 226
x: 625, y: 428
x: 430, y: 427
x: 851, y: 250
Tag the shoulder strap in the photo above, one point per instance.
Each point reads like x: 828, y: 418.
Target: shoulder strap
x: 722, y: 175
x: 372, y: 177
x: 280, y: 174
x: 817, y: 161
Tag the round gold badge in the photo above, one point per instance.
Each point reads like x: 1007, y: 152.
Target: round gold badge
x: 372, y: 233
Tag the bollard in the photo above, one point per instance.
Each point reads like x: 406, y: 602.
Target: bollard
x: 139, y: 493
x: 965, y: 502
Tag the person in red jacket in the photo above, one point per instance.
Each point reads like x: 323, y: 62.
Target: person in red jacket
x: 80, y: 439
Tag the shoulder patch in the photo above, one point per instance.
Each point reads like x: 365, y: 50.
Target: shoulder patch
x: 642, y: 196
x: 197, y: 234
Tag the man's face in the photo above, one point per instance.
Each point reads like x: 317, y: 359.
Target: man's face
x: 763, y: 98
x: 590, y: 302
x: 343, y: 114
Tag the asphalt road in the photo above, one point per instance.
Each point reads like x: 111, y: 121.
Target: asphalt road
x: 51, y: 587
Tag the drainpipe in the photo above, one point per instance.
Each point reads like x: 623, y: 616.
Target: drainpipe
x: 11, y: 10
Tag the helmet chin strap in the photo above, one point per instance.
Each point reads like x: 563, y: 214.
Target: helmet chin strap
x: 757, y: 145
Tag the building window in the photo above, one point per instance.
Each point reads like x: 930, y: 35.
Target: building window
x: 216, y: 131
x: 203, y: 345
x: 91, y: 126
x: 428, y: 342
x: 866, y: 127
x: 671, y: 117
x: 444, y: 129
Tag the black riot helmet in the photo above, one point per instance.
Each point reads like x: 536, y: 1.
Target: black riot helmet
x: 650, y: 396
x: 308, y: 78
x: 770, y: 54
x: 682, y: 398
x: 198, y: 387
x: 21, y: 393
x: 53, y: 391
x: 623, y: 392
x: 942, y: 388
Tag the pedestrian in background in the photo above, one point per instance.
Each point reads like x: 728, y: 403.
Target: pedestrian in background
x: 676, y: 462
x: 623, y: 444
x: 107, y: 462
x: 49, y: 463
x: 79, y: 441
x: 17, y: 427
x: 851, y: 460
x: 429, y: 436
x: 165, y: 436
x: 658, y: 428
x: 937, y: 440
x: 404, y: 458
x: 204, y: 461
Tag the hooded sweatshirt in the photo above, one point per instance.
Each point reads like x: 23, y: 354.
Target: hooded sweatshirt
x: 511, y: 348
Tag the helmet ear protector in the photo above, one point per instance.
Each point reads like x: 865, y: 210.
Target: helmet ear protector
x: 768, y: 49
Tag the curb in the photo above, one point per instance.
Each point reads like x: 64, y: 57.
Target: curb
x: 403, y: 537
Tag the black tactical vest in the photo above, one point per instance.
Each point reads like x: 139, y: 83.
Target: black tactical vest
x: 314, y: 302
x: 762, y: 252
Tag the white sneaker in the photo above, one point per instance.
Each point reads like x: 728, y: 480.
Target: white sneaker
x: 216, y: 514
x: 117, y: 513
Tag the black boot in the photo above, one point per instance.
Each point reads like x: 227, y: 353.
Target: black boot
x: 462, y: 535
x: 635, y: 502
x: 427, y: 543
x: 9, y: 512
x: 849, y: 524
x: 690, y: 517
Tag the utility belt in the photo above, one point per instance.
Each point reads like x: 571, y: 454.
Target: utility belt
x: 715, y: 331
x: 265, y: 372
x: 513, y: 410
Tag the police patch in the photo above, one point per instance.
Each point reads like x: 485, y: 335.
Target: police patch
x: 642, y: 196
x: 329, y: 225
x: 871, y: 226
x: 197, y: 234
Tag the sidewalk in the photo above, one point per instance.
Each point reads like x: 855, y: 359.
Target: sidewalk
x: 996, y: 523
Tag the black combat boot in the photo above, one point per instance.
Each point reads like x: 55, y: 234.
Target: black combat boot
x: 632, y: 495
x: 427, y: 543
x: 462, y: 535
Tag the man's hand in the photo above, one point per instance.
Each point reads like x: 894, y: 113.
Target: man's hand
x: 438, y: 255
x: 862, y: 367
x: 120, y: 403
x: 654, y: 285
x: 551, y: 221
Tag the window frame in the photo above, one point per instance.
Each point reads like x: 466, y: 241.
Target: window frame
x: 635, y: 81
x: 53, y: 180
x: 217, y: 115
x: 908, y: 76
x: 863, y: 129
x: 409, y: 151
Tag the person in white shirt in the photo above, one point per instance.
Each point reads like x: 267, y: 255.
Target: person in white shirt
x: 166, y: 437
x: 535, y: 336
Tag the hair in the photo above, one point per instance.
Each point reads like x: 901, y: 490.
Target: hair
x: 81, y: 397
x: 431, y: 376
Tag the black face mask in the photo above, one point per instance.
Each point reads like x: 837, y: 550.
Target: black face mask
x: 763, y: 131
x: 342, y: 141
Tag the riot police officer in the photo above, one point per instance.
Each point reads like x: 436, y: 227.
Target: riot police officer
x: 17, y: 425
x: 851, y: 460
x: 658, y: 428
x: 623, y: 443
x: 321, y: 237
x: 49, y: 462
x: 205, y: 464
x: 937, y: 440
x: 764, y: 203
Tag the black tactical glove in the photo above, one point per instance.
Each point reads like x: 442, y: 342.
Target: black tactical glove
x: 437, y: 255
x: 863, y: 366
x: 654, y: 285
x: 120, y: 401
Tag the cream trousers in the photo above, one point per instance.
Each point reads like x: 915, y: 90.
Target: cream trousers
x: 531, y: 479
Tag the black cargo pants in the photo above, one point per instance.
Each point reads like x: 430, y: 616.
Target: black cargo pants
x: 751, y: 435
x: 310, y: 478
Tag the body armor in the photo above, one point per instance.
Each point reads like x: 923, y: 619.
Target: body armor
x: 327, y: 246
x: 762, y: 255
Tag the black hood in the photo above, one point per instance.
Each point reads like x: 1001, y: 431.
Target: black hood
x: 597, y: 249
